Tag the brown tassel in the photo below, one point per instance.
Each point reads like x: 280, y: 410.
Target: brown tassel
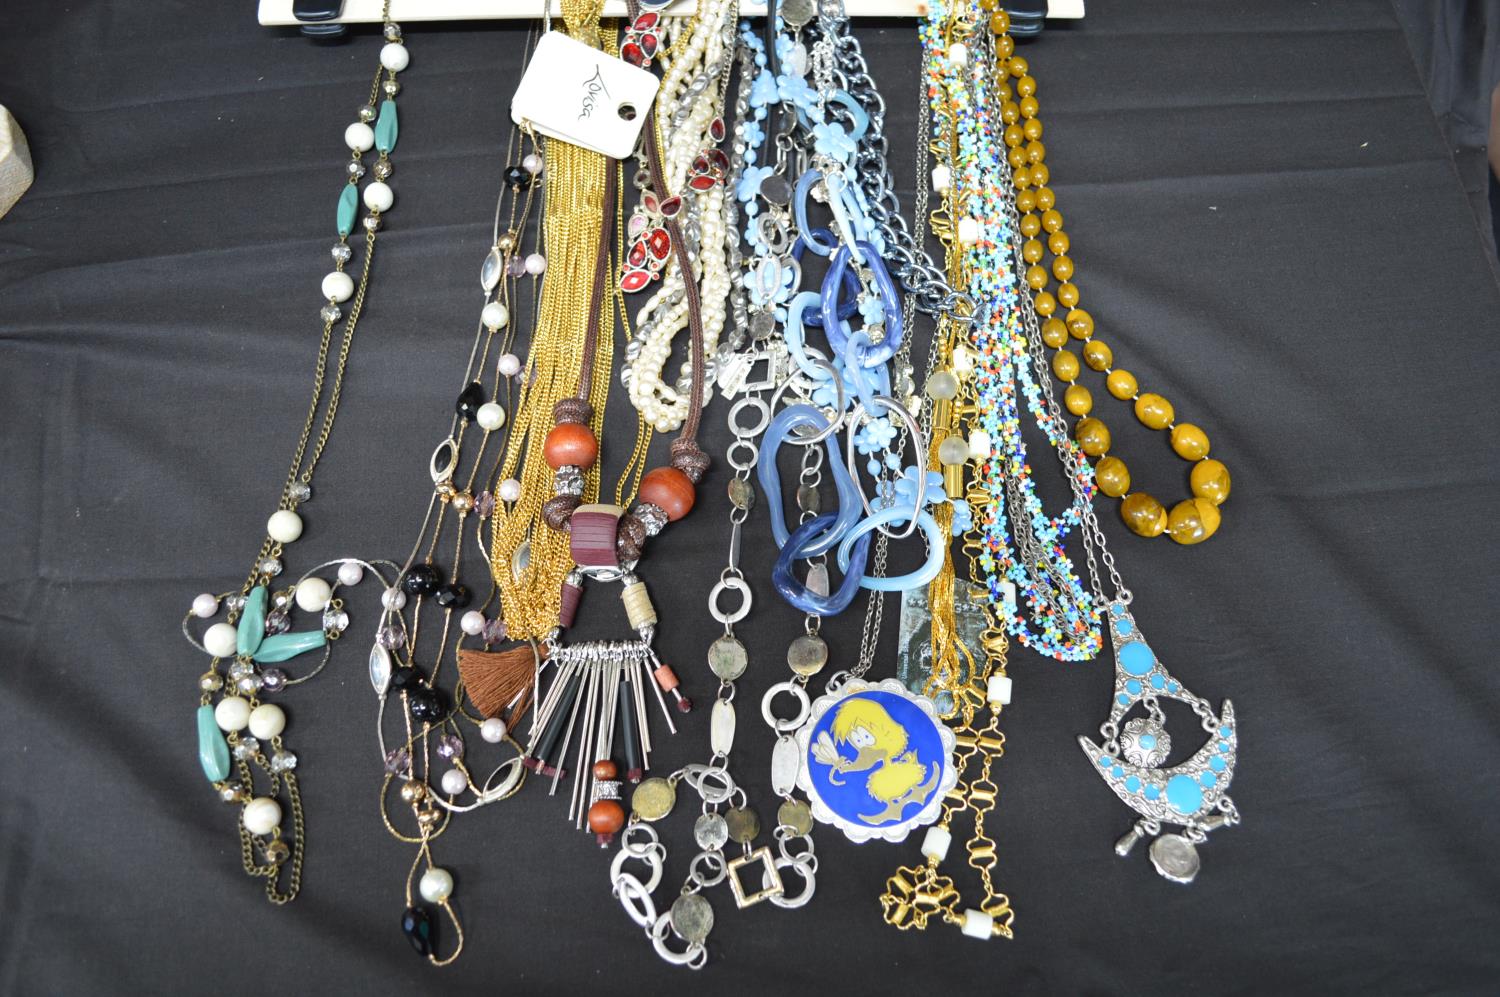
x: 492, y: 679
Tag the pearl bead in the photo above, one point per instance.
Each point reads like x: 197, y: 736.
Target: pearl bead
x: 284, y: 526
x: 205, y: 605
x: 436, y: 885
x: 493, y: 730
x: 958, y: 54
x: 313, y: 594
x: 351, y: 573
x: 942, y: 178
x: 267, y: 720
x: 490, y: 416
x: 510, y: 365
x: 221, y: 640
x: 510, y: 490
x: 360, y: 137
x: 232, y: 713
x: 338, y: 286
x: 393, y: 598
x: 968, y: 231
x: 378, y: 196
x: 536, y: 264
x: 495, y: 316
x: 454, y: 782
x: 261, y: 815
x: 395, y: 57
x: 471, y: 622
x: 532, y: 164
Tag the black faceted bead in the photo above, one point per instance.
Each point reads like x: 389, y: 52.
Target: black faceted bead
x: 469, y: 401
x: 427, y: 705
x: 405, y: 678
x: 518, y: 177
x: 417, y: 926
x: 421, y: 579
x: 452, y: 596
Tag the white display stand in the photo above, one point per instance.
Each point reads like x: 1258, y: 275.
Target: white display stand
x: 278, y: 13
x: 15, y: 162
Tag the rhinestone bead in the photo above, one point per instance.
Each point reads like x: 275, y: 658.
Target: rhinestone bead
x: 283, y: 761
x: 342, y: 253
x: 246, y: 749
x: 249, y: 684
x: 391, y: 88
x: 450, y: 746
x: 355, y: 169
x: 278, y: 622
x: 383, y: 169
x: 335, y: 621
x: 372, y: 222
x: 367, y: 114
x: 389, y: 638
x: 273, y: 680
x: 393, y: 32
x: 300, y: 491
x: 270, y: 566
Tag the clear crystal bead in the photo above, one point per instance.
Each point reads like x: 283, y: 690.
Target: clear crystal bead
x: 356, y: 168
x: 270, y: 566
x: 372, y: 222
x: 396, y: 760
x: 383, y: 169
x: 336, y: 621
x: 330, y: 313
x: 367, y: 114
x: 239, y: 670
x: 283, y: 761
x: 450, y: 746
x: 389, y: 637
x: 278, y: 623
x: 300, y: 491
x: 393, y: 32
x: 342, y: 253
x: 246, y: 749
x: 235, y: 602
x: 494, y: 631
x: 250, y: 684
x: 231, y: 792
x: 272, y: 680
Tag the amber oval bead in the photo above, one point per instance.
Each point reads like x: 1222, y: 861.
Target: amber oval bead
x: 1058, y: 242
x: 1045, y: 198
x: 1036, y: 277
x: 1004, y: 45
x: 1067, y: 294
x: 1033, y: 250
x: 1010, y: 112
x: 1065, y: 365
x: 571, y: 443
x: 1078, y: 399
x: 1113, y: 477
x: 1014, y: 135
x: 1054, y: 333
x: 1028, y: 106
x: 1030, y: 225
x: 1193, y: 521
x: 1016, y: 156
x: 669, y: 489
x: 1153, y: 410
x: 1026, y: 201
x: 1210, y: 480
x: 1040, y: 174
x: 1045, y: 303
x: 1062, y: 266
x: 605, y: 769
x: 1033, y: 129
x: 1025, y: 86
x: 1080, y: 324
x: 1052, y: 219
x: 1121, y: 384
x: 1093, y: 437
x: 1019, y: 67
x: 1144, y: 515
x: 1021, y: 179
x: 1035, y: 151
x: 1190, y: 442
x: 1097, y: 354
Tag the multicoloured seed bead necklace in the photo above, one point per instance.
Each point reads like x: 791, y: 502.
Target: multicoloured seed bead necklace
x: 239, y: 736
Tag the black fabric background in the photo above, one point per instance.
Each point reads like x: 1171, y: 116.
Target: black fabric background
x: 1268, y: 228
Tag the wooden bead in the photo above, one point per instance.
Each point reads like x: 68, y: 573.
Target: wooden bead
x: 606, y: 817
x: 1093, y: 437
x: 1144, y: 515
x: 670, y: 490
x: 1065, y: 365
x: 1190, y: 442
x: 1193, y: 521
x: 1098, y: 355
x: 1080, y: 324
x: 1054, y: 332
x: 604, y: 770
x: 1121, y: 384
x: 571, y: 444
x: 1113, y: 477
x: 1210, y: 480
x: 1153, y: 410
x: 1078, y: 399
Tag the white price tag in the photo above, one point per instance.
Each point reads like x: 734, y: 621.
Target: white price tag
x: 583, y: 96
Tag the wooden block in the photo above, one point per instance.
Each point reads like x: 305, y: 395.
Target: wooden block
x: 15, y: 162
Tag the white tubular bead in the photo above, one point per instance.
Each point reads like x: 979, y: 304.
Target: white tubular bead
x: 490, y: 416
x: 267, y: 720
x: 942, y: 178
x: 978, y: 924
x: 338, y: 286
x: 360, y: 137
x: 958, y: 54
x: 284, y: 526
x: 261, y: 815
x: 1008, y: 594
x: 495, y: 316
x: 378, y: 196
x: 395, y: 57
x: 998, y: 690
x: 980, y: 446
x: 221, y: 640
x: 313, y: 594
x: 935, y: 844
x: 968, y: 231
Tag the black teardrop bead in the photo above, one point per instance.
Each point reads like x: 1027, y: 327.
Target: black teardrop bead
x: 427, y: 705
x: 421, y: 579
x: 405, y: 678
x: 417, y: 926
x: 453, y: 596
x: 518, y: 177
x: 469, y: 401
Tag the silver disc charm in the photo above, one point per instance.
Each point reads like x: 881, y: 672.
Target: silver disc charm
x: 710, y: 832
x: 796, y: 12
x: 776, y: 189
x: 1175, y: 858
x: 743, y: 824
x: 692, y: 918
x: 740, y: 493
x: 727, y: 658
x: 807, y: 655
x: 796, y: 815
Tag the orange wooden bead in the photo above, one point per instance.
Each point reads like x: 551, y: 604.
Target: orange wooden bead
x: 670, y: 490
x: 606, y: 817
x: 604, y: 769
x: 571, y: 443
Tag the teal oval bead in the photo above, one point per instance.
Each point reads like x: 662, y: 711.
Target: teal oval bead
x: 386, y: 128
x: 280, y: 647
x: 213, y: 753
x: 252, y: 621
x: 348, y: 208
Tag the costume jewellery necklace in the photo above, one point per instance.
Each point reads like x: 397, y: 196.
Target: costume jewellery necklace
x: 240, y: 743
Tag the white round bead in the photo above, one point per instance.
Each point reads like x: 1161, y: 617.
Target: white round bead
x: 267, y: 720
x: 205, y: 605
x: 395, y: 57
x: 935, y: 844
x: 493, y: 730
x: 490, y: 416
x: 313, y: 594
x: 393, y: 598
x: 360, y: 137
x: 221, y: 640
x: 339, y: 286
x: 232, y: 713
x: 379, y: 196
x: 536, y: 264
x: 495, y: 316
x: 968, y: 231
x: 284, y: 526
x: 351, y: 573
x: 942, y: 178
x: 978, y: 924
x: 510, y: 490
x: 471, y: 622
x: 436, y: 885
x: 510, y: 365
x: 997, y: 691
x: 261, y: 815
x: 958, y: 54
x: 454, y: 782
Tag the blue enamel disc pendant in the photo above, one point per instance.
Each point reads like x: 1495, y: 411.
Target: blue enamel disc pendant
x: 876, y: 760
x: 1194, y: 793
